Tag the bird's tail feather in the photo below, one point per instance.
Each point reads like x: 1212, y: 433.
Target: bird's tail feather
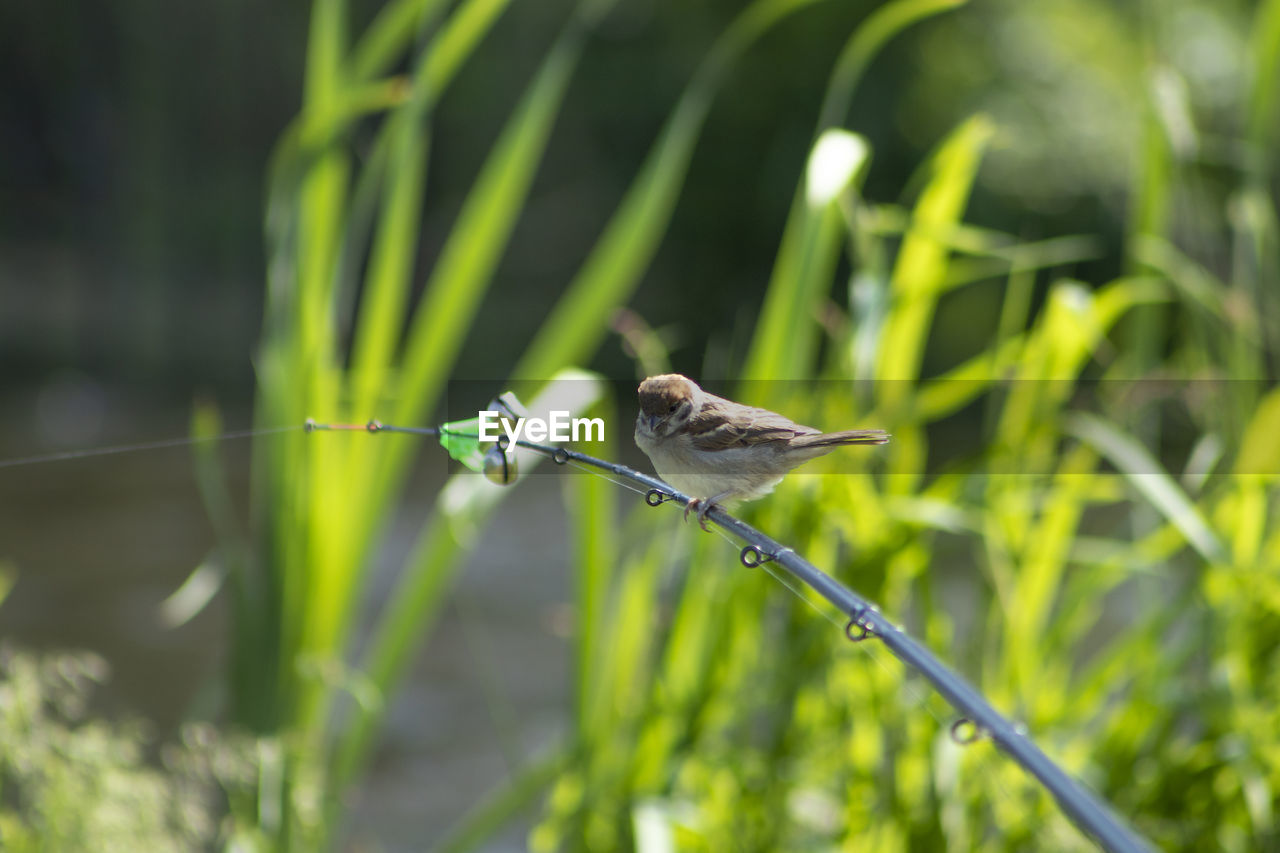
x: 833, y: 439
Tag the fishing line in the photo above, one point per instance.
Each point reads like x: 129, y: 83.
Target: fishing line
x: 916, y: 692
x: 798, y: 589
x: 601, y: 474
x: 140, y: 446
x: 1080, y: 806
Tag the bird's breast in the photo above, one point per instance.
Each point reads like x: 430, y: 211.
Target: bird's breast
x: 737, y: 473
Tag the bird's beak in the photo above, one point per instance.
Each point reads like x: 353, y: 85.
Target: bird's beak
x: 652, y: 423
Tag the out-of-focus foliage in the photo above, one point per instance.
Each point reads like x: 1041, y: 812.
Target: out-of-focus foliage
x: 346, y: 334
x: 1071, y: 84
x: 73, y: 782
x: 134, y: 142
x: 1103, y: 562
x: 1083, y: 562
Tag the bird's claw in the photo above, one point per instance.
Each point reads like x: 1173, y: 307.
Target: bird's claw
x: 700, y: 506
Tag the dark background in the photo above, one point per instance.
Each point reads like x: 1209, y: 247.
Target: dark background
x: 134, y: 139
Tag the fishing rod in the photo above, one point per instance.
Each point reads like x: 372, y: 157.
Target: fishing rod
x: 865, y: 622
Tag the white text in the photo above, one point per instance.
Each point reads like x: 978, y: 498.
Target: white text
x: 560, y: 427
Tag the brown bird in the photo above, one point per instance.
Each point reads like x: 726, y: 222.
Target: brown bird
x: 716, y: 450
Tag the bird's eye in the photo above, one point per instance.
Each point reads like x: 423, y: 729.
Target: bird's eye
x: 673, y: 408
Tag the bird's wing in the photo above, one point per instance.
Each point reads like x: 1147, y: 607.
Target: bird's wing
x: 723, y: 424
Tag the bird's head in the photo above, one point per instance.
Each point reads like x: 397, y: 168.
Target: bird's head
x: 667, y: 403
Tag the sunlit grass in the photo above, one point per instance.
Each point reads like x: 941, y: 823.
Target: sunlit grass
x: 1117, y: 598
x: 1102, y: 559
x: 319, y: 504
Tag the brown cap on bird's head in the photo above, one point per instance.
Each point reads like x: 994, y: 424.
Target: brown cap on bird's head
x: 659, y: 394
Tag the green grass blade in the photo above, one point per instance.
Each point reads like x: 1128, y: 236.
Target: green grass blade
x: 1151, y: 480
x: 395, y: 245
x: 1040, y: 575
x: 496, y: 811
x: 593, y: 521
x: 785, y: 341
x: 395, y: 248
x: 869, y: 38
x: 1259, y: 453
x: 579, y: 320
x: 922, y: 261
x: 1264, y: 99
x: 464, y: 271
x: 390, y: 33
x: 458, y: 39
x: 1144, y: 330
x: 462, y: 509
x: 786, y: 338
x: 469, y: 257
x: 326, y: 42
x: 298, y: 370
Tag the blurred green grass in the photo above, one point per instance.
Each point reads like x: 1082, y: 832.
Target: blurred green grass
x: 1124, y: 609
x: 1106, y: 567
x: 320, y: 505
x: 1105, y: 605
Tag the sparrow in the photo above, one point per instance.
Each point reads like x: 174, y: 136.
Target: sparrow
x: 716, y: 450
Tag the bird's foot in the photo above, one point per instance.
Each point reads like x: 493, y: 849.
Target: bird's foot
x: 700, y: 508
